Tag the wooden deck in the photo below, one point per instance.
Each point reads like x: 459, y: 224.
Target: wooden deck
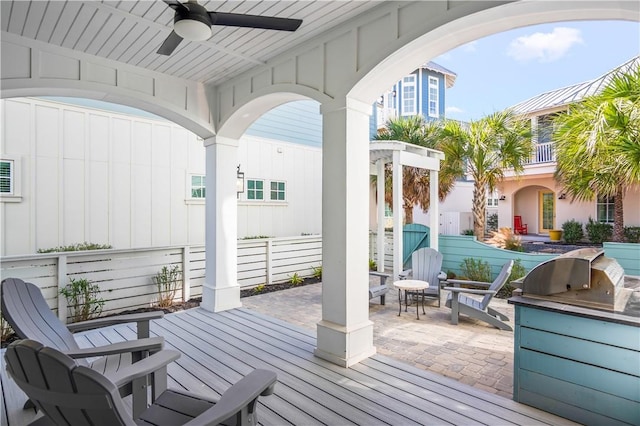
x: 219, y: 348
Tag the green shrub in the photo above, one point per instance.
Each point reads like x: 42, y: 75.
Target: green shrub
x: 517, y: 271
x: 82, y: 299
x: 572, y: 231
x: 632, y: 234
x: 599, y: 232
x: 167, y: 280
x: 467, y: 232
x: 505, y: 238
x: 317, y: 272
x: 373, y: 265
x: 259, y: 288
x: 5, y: 329
x: 76, y: 247
x: 476, y: 269
x: 492, y: 222
x: 296, y: 279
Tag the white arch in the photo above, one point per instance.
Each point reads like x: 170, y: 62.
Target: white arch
x: 34, y: 68
x: 481, y: 24
x: 265, y: 100
x: 122, y: 99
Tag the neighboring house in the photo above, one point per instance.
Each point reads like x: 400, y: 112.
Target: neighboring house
x: 420, y: 93
x: 535, y: 195
x: 82, y: 170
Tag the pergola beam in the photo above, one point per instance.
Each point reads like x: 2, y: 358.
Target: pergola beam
x: 402, y: 154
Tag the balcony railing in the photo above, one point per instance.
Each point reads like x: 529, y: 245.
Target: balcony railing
x: 543, y: 153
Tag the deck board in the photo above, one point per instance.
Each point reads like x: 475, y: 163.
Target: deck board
x: 219, y: 348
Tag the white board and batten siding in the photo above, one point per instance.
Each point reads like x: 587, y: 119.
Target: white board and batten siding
x: 111, y: 177
x: 97, y: 176
x: 300, y: 168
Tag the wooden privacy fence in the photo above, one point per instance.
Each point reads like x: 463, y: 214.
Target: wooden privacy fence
x: 125, y: 277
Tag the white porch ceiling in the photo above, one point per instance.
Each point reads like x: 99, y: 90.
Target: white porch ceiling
x: 131, y: 31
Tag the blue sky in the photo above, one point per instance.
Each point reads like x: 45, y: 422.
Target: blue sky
x: 501, y: 70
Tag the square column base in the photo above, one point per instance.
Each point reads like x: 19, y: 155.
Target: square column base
x: 342, y: 346
x: 220, y: 299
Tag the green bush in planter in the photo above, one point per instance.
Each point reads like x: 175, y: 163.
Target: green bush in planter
x: 599, y: 232
x: 572, y: 231
x: 632, y: 234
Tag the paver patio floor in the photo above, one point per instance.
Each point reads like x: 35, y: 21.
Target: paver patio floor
x: 472, y: 352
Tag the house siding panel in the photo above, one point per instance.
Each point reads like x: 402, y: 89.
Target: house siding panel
x: 111, y: 177
x: 296, y: 122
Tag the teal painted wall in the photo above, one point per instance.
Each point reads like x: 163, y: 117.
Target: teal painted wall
x: 456, y: 248
x: 627, y: 255
x: 584, y: 369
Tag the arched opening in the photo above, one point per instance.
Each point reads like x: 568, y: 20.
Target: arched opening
x: 477, y: 25
x: 181, y: 118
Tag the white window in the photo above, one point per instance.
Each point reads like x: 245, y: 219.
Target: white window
x: 492, y: 199
x: 6, y: 177
x: 255, y: 189
x: 197, y: 186
x: 434, y: 95
x: 277, y: 191
x: 606, y: 209
x: 409, y: 95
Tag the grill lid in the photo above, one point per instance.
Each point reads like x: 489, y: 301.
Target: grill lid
x: 582, y: 277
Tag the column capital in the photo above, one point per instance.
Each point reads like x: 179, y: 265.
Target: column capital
x: 346, y: 103
x: 220, y: 140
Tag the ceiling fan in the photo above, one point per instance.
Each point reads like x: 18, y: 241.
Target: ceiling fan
x: 193, y: 22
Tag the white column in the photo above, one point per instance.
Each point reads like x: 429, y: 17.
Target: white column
x: 381, y: 209
x: 345, y: 334
x: 434, y: 208
x: 397, y: 215
x: 221, y: 290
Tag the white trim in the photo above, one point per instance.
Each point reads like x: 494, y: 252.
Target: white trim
x: 15, y: 195
x: 419, y: 87
x: 437, y: 87
x: 413, y: 84
x: 189, y: 181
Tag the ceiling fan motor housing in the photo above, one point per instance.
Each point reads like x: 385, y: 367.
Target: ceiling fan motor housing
x: 192, y: 23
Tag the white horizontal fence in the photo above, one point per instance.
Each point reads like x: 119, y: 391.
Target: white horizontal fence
x: 125, y: 277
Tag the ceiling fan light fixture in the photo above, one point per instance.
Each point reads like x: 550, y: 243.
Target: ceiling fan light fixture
x: 191, y: 29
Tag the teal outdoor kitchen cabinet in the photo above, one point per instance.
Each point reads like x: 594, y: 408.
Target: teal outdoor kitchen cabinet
x: 580, y: 363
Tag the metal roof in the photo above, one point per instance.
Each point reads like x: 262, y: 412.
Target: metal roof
x: 574, y: 93
x: 449, y: 76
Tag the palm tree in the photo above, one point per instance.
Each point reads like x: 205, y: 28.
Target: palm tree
x: 598, y: 145
x: 486, y: 148
x: 415, y: 181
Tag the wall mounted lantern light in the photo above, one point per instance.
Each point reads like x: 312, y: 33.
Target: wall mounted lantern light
x: 562, y: 196
x: 239, y: 182
x: 502, y: 198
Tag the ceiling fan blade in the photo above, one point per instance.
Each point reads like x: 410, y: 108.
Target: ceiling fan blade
x: 254, y: 21
x: 176, y: 5
x: 170, y: 44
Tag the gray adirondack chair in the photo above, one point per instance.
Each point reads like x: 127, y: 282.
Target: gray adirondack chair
x: 479, y: 309
x: 26, y: 310
x: 72, y: 394
x: 426, y: 265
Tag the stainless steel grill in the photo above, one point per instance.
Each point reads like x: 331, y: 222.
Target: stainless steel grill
x: 583, y: 277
